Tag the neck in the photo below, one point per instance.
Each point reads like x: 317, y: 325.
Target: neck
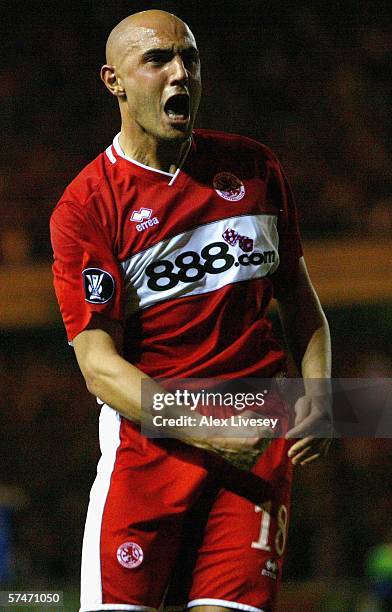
x: 160, y: 155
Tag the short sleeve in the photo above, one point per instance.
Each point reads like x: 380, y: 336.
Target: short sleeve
x: 87, y: 275
x: 290, y: 248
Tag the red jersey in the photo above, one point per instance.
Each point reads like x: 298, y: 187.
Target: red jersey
x: 188, y: 263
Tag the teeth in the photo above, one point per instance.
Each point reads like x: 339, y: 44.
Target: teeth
x: 173, y: 115
x: 177, y: 107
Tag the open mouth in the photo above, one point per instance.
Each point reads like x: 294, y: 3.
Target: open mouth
x: 177, y: 107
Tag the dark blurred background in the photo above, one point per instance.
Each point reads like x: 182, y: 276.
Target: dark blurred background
x: 312, y: 81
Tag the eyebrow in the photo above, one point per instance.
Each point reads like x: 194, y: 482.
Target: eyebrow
x: 168, y: 51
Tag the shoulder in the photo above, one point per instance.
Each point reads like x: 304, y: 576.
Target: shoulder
x: 92, y: 180
x: 234, y: 143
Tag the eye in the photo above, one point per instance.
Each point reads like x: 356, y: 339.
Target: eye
x: 190, y: 58
x: 155, y: 60
x: 158, y: 58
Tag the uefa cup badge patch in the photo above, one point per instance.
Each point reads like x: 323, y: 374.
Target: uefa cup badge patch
x: 228, y: 186
x: 98, y: 285
x: 130, y: 555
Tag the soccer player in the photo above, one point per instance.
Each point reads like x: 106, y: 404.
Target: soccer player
x: 168, y: 249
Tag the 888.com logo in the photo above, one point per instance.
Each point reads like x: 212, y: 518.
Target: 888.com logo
x: 190, y: 267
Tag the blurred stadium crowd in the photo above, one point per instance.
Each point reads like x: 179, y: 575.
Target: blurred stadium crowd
x: 309, y: 79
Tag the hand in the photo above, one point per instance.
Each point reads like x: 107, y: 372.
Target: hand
x: 313, y: 425
x: 240, y: 446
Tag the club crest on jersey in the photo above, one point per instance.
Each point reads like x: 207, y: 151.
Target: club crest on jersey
x: 228, y: 186
x: 98, y: 285
x: 130, y: 555
x: 143, y: 218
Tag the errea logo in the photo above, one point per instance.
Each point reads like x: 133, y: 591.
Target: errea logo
x: 270, y: 569
x: 143, y: 219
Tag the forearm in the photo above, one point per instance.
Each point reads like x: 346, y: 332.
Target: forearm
x: 108, y: 375
x: 117, y: 383
x: 316, y: 362
x: 120, y: 385
x: 308, y: 339
x: 127, y: 389
x: 307, y: 333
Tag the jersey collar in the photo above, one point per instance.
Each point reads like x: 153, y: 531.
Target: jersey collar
x: 170, y: 178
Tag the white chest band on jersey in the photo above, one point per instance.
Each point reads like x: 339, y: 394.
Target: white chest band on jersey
x: 203, y: 259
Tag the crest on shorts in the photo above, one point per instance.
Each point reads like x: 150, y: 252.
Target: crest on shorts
x: 98, y: 285
x: 130, y: 555
x: 228, y: 186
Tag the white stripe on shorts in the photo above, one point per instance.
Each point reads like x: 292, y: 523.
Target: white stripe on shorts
x: 91, y: 582
x: 222, y: 602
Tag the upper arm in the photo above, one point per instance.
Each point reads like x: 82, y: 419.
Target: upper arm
x: 299, y: 301
x: 280, y: 196
x: 301, y: 286
x: 306, y: 327
x: 88, y: 279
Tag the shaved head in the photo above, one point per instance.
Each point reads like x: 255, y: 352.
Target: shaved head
x: 130, y: 31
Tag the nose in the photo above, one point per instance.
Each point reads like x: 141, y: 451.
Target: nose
x: 179, y: 73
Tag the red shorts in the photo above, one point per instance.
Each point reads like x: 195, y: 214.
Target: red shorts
x: 167, y: 521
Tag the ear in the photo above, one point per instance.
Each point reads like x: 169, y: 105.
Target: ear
x: 112, y: 81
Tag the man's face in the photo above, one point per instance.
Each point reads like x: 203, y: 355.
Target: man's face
x: 159, y: 70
